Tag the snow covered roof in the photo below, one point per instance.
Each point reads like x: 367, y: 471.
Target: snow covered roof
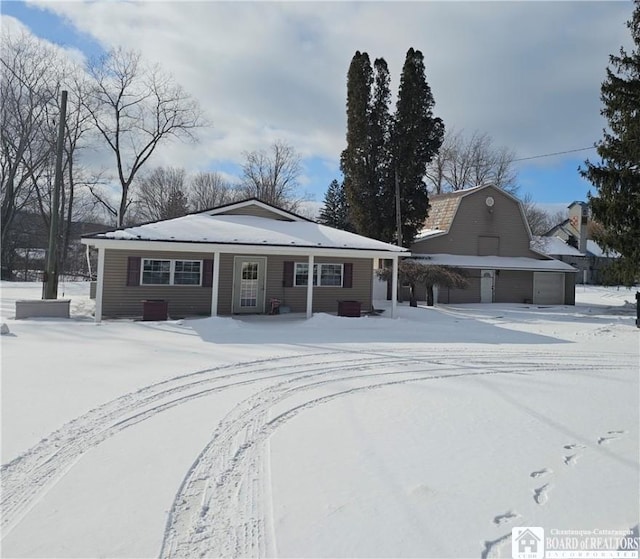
x: 246, y: 230
x: 426, y: 233
x: 595, y: 249
x: 495, y: 262
x: 554, y: 246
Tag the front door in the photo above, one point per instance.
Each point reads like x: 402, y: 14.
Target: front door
x: 248, y: 284
x: 487, y: 286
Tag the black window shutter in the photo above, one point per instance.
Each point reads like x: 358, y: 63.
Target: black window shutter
x: 207, y: 272
x: 133, y: 270
x: 287, y: 274
x: 347, y: 274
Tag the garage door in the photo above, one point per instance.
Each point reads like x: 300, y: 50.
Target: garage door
x: 548, y: 288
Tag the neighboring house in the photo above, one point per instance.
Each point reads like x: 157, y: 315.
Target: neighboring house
x: 483, y: 230
x: 570, y: 243
x: 234, y: 259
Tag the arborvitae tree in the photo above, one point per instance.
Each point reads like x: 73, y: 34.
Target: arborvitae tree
x: 417, y: 136
x: 380, y: 155
x: 354, y: 161
x: 617, y: 177
x: 335, y: 212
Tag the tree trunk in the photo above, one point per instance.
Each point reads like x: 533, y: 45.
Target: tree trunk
x: 429, y: 295
x: 413, y: 301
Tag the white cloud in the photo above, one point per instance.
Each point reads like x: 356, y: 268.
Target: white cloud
x: 527, y: 73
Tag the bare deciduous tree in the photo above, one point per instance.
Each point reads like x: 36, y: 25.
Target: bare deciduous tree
x: 208, y: 189
x: 464, y: 163
x: 540, y: 220
x: 135, y: 107
x: 273, y: 176
x: 27, y: 89
x: 161, y: 194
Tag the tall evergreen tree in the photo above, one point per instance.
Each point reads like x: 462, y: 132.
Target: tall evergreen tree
x: 354, y: 161
x: 417, y: 136
x: 380, y: 155
x: 617, y: 177
x: 335, y: 212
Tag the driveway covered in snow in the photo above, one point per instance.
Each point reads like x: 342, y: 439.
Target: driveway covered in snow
x: 430, y: 435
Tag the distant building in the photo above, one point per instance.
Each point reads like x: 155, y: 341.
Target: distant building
x: 569, y: 242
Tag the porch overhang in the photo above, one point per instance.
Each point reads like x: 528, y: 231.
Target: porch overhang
x: 216, y: 249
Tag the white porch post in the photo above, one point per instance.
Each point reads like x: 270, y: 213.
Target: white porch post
x: 214, y: 283
x: 99, y: 285
x: 394, y: 287
x: 310, y: 288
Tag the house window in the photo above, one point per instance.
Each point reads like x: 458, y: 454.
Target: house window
x: 324, y: 275
x: 171, y: 272
x: 187, y: 272
x: 156, y: 272
x: 331, y: 275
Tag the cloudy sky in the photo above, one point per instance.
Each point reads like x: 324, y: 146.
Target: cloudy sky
x: 526, y: 73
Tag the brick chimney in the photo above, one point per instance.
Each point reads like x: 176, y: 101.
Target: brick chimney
x: 579, y: 218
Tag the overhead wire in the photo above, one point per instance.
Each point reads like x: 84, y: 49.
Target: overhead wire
x: 552, y: 154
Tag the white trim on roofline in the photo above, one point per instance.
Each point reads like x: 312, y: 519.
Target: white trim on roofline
x: 231, y: 248
x: 254, y: 202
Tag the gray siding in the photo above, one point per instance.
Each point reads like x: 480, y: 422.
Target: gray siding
x: 121, y: 300
x: 325, y: 299
x: 510, y: 287
x: 504, y: 224
x: 570, y: 288
x: 513, y: 286
x: 469, y: 295
x: 256, y: 211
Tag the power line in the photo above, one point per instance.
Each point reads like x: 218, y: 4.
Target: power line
x: 552, y: 154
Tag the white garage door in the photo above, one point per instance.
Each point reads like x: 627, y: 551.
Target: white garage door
x: 548, y: 288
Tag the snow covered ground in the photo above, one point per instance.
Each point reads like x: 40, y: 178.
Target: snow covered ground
x: 429, y: 435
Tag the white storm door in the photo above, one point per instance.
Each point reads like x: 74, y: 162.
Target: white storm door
x: 248, y: 284
x: 487, y: 285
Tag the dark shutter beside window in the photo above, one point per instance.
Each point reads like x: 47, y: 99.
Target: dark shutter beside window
x: 347, y: 275
x: 287, y: 274
x: 133, y: 270
x: 207, y: 273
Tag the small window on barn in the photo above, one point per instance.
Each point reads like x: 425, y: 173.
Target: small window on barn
x: 156, y: 272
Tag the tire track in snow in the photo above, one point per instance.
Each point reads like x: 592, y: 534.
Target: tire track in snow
x: 26, y: 477
x: 224, y: 524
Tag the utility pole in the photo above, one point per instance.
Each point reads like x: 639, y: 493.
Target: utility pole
x: 398, y: 293
x: 50, y: 287
x: 398, y: 213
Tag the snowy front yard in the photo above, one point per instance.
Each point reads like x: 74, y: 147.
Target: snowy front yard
x: 430, y: 435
